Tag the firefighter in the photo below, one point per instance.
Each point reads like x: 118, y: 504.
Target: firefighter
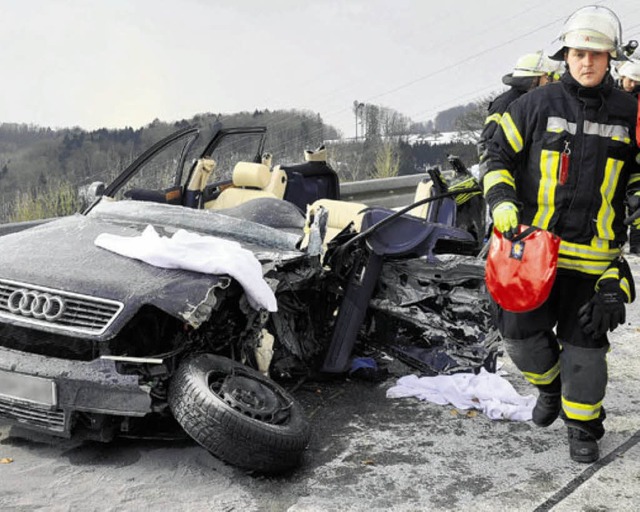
x: 630, y: 82
x: 629, y: 74
x: 565, y: 159
x: 531, y: 70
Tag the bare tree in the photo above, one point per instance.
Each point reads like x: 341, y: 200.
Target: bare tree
x: 469, y: 125
x: 393, y: 122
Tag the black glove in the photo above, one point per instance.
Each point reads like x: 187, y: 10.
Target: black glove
x: 633, y: 205
x: 605, y: 311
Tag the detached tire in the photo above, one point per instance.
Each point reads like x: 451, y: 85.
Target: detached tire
x: 238, y: 414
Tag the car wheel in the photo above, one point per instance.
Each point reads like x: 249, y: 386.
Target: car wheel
x: 238, y: 414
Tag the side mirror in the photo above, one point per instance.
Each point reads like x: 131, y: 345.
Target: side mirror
x: 96, y: 189
x: 89, y: 193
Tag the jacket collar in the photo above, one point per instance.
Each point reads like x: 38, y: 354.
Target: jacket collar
x: 520, y: 83
x: 602, y: 89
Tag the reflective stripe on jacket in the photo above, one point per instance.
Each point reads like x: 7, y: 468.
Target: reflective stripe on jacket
x: 494, y: 113
x: 567, y: 155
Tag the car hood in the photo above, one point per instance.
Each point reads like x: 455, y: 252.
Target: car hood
x: 61, y: 255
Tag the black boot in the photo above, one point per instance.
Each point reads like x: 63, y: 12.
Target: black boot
x: 547, y: 409
x: 583, y: 447
x: 634, y: 240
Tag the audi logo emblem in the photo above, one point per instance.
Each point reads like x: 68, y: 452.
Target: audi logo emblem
x: 39, y: 305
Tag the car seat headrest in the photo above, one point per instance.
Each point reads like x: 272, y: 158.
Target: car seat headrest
x: 250, y: 174
x: 318, y: 155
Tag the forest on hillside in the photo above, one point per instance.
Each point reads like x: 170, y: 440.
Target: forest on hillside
x: 42, y: 170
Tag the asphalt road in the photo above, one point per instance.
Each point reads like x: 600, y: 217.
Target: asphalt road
x: 367, y: 453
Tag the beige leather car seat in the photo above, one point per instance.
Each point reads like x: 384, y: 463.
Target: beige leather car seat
x: 423, y: 190
x: 278, y: 182
x: 340, y: 215
x: 250, y: 181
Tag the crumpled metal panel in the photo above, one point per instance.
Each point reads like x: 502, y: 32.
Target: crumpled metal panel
x: 303, y: 302
x: 436, y: 317
x: 93, y: 385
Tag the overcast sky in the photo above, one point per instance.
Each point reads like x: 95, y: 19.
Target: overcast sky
x: 118, y: 63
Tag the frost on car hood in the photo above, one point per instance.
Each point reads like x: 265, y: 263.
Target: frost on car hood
x: 252, y: 235
x: 61, y: 255
x: 199, y: 253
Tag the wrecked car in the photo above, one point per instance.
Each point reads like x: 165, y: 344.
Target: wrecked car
x: 148, y: 304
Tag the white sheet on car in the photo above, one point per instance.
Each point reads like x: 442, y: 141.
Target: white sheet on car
x: 199, y: 253
x: 488, y: 392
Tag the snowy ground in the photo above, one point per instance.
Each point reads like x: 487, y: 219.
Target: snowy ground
x: 367, y: 453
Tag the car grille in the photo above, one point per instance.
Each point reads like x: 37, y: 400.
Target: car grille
x: 81, y: 314
x: 33, y: 416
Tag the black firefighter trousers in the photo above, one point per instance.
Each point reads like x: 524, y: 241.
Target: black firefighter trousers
x: 550, y: 349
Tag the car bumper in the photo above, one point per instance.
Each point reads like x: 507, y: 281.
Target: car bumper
x: 42, y: 392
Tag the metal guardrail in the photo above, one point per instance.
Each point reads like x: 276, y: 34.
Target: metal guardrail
x: 385, y: 192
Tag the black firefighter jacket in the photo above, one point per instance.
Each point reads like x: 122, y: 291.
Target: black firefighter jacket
x: 517, y: 87
x: 566, y: 155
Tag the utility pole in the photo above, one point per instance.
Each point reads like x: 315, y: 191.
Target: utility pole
x: 357, y: 110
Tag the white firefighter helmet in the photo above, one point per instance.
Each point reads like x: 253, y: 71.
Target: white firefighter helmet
x: 630, y: 69
x: 534, y: 64
x: 595, y: 28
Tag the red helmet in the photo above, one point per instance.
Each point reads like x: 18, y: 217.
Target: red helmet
x: 520, y: 271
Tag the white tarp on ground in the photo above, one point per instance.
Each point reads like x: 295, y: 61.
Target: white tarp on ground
x: 488, y: 392
x: 190, y: 251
